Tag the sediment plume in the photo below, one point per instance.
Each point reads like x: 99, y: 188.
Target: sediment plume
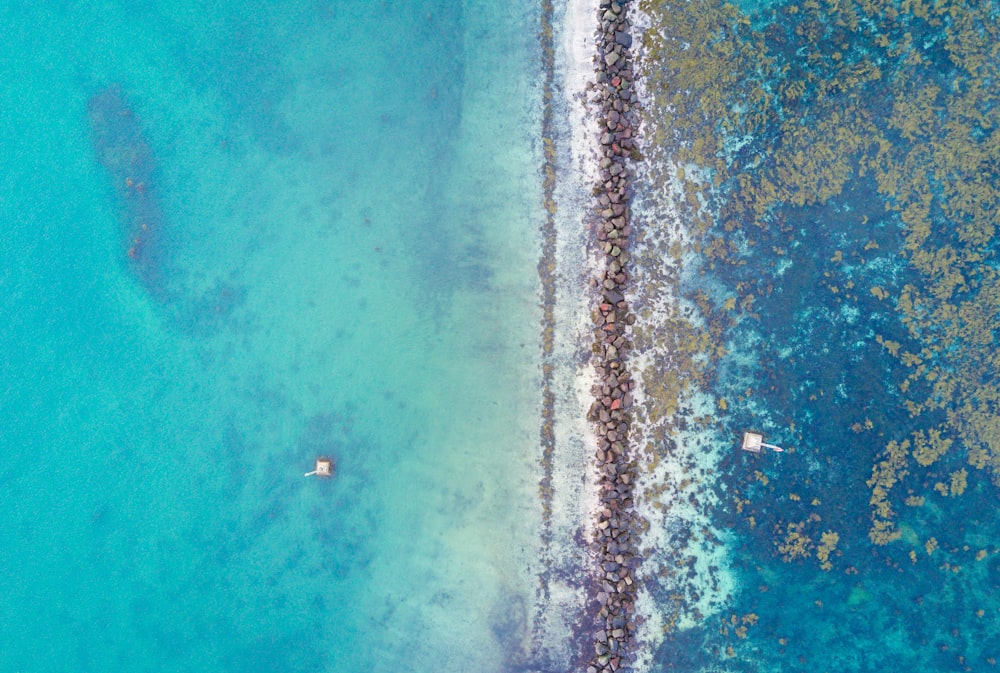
x: 615, y: 543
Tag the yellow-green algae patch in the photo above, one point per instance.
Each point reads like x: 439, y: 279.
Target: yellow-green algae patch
x: 826, y: 265
x: 768, y: 120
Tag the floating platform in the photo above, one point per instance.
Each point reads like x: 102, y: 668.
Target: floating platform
x: 754, y: 443
x: 323, y: 468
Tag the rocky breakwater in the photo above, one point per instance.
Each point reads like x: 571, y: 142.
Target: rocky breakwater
x: 615, y: 543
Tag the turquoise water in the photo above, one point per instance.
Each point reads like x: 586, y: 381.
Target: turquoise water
x: 345, y: 201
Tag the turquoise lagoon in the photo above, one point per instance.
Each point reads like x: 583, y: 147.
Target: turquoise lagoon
x: 346, y: 202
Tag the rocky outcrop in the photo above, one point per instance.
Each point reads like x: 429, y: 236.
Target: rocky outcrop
x: 615, y: 543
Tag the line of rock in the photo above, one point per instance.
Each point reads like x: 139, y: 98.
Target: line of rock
x: 616, y: 542
x: 547, y: 277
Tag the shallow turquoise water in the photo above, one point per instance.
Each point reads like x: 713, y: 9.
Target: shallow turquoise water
x: 347, y: 205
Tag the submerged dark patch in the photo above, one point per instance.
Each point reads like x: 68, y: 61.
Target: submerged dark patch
x: 122, y: 150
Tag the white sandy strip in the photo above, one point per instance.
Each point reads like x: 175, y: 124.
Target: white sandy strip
x: 578, y: 47
x: 672, y: 513
x: 574, y: 471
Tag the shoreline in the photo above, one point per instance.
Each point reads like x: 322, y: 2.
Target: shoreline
x: 568, y: 498
x: 585, y: 608
x: 685, y: 557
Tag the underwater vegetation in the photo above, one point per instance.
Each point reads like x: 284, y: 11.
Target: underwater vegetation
x: 835, y: 164
x: 122, y: 150
x: 148, y: 233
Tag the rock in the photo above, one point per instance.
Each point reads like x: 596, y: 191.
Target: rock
x: 614, y: 93
x: 613, y: 297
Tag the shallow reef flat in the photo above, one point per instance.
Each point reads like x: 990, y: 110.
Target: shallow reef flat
x: 817, y: 225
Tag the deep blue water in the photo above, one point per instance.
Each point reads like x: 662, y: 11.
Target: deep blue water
x: 841, y: 159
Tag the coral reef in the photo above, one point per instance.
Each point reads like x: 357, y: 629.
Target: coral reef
x: 834, y: 166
